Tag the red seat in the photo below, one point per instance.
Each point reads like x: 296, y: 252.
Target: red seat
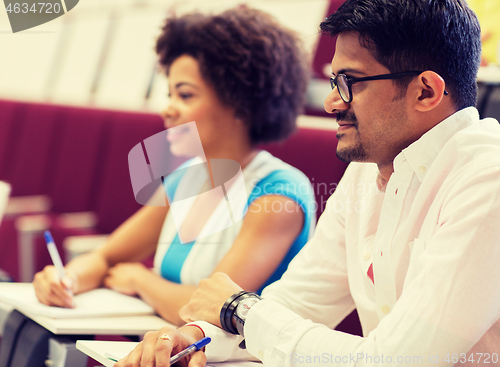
x: 313, y: 152
x: 31, y: 150
x: 116, y: 201
x: 11, y: 120
x: 27, y: 164
x: 73, y: 183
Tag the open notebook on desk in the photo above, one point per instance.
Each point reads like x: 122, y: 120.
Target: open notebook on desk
x: 95, y: 303
x: 106, y: 352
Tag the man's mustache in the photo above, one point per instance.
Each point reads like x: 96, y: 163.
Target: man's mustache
x: 347, y: 117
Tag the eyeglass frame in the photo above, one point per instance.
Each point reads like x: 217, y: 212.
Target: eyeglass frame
x: 350, y: 80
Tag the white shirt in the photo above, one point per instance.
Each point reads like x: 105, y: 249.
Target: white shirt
x: 432, y: 233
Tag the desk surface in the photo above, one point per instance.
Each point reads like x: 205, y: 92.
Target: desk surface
x: 102, y: 350
x: 110, y: 325
x: 120, y: 325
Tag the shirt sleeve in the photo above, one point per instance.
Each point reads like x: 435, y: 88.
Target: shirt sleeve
x: 321, y: 292
x: 445, y: 309
x: 315, y: 285
x: 224, y: 346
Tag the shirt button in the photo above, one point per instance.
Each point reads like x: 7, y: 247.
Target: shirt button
x: 366, y: 256
x: 385, y: 309
x: 422, y: 169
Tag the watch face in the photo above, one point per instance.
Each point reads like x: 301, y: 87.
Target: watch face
x: 244, y: 307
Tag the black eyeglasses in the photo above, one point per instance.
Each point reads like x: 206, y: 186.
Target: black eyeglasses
x: 344, y: 83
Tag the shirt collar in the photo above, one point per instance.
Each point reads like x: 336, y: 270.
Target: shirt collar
x: 421, y: 154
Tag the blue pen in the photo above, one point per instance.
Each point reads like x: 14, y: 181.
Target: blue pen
x: 191, y: 349
x: 54, y: 254
x: 56, y: 259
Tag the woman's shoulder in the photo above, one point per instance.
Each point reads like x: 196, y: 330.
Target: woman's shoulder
x: 280, y: 178
x: 265, y: 164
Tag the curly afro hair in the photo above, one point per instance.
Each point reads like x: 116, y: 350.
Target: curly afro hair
x: 255, y: 65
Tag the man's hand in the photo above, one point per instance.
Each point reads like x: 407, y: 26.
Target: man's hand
x: 207, y: 301
x: 158, y: 346
x: 52, y: 291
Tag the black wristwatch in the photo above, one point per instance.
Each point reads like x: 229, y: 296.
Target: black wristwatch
x: 241, y: 311
x: 235, y: 310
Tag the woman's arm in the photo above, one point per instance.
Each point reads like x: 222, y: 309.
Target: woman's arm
x: 134, y: 240
x: 164, y: 296
x: 259, y: 248
x: 265, y: 238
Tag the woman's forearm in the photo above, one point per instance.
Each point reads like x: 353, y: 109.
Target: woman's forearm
x: 88, y: 271
x: 166, y: 297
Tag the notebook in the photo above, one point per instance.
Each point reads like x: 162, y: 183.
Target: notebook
x: 106, y: 352
x: 100, y: 302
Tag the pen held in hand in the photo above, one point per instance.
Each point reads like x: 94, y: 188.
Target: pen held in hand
x: 54, y: 254
x: 56, y: 259
x: 191, y: 349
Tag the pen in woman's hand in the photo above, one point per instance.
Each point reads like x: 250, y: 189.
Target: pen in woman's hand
x: 56, y: 260
x: 54, y: 254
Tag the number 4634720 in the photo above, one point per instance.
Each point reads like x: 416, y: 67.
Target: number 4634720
x: 479, y: 358
x: 38, y: 8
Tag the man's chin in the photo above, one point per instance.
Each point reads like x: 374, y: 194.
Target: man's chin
x: 352, y: 154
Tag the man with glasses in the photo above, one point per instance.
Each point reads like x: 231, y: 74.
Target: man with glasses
x: 411, y: 236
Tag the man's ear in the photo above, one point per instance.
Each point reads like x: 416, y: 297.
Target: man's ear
x: 429, y: 90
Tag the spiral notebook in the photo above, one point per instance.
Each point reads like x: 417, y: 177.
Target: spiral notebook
x: 100, y: 302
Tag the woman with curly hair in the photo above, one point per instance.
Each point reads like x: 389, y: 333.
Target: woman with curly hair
x: 241, y: 77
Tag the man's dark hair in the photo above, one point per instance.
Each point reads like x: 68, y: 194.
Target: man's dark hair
x: 438, y: 35
x: 255, y: 65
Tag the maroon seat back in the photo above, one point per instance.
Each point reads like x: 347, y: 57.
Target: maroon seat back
x: 313, y: 152
x: 326, y: 47
x: 11, y: 121
x: 73, y: 184
x: 116, y: 201
x: 28, y: 164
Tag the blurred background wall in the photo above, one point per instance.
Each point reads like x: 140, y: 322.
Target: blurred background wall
x: 101, y: 52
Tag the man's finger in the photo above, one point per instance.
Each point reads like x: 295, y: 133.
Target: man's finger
x: 133, y: 358
x: 198, y: 359
x: 148, y: 349
x: 163, y: 351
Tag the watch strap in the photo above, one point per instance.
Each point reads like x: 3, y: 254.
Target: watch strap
x: 227, y: 311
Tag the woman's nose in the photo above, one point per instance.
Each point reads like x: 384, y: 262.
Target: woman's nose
x: 168, y: 114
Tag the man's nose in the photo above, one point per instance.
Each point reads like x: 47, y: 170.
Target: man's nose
x: 334, y: 103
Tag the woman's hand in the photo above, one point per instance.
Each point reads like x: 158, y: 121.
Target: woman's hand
x: 207, y: 301
x: 52, y: 291
x: 158, y: 346
x: 122, y: 277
